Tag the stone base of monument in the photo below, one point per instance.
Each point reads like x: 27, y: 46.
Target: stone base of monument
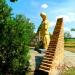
x: 42, y: 50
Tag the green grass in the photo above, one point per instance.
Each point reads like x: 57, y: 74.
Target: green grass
x: 70, y: 71
x: 69, y: 40
x: 69, y: 44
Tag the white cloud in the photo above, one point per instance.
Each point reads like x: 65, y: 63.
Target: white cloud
x: 69, y: 17
x: 71, y: 13
x: 44, y: 6
x: 73, y: 34
x: 66, y: 29
x: 66, y: 18
x: 52, y: 24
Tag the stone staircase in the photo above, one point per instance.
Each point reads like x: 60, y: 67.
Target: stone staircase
x: 53, y: 52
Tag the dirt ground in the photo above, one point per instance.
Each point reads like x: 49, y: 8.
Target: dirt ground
x: 71, y: 49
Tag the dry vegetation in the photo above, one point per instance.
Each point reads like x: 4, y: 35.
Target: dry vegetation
x: 70, y: 45
x: 69, y: 71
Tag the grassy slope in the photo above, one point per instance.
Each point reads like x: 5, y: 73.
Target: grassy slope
x: 70, y: 44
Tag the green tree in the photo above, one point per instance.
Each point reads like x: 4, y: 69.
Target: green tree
x: 28, y: 27
x: 73, y: 29
x: 13, y: 0
x: 67, y: 35
x: 15, y: 35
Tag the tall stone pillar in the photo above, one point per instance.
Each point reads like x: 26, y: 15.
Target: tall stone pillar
x: 54, y: 55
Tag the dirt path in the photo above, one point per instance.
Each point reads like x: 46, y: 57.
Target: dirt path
x: 69, y: 59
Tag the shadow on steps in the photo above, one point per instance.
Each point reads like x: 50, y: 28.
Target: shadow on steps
x: 40, y: 72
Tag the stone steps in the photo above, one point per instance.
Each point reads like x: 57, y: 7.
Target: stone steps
x: 50, y: 53
x: 46, y: 58
x: 44, y: 69
x: 46, y: 63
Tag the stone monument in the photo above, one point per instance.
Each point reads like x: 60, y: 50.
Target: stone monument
x: 53, y: 59
x: 43, y: 32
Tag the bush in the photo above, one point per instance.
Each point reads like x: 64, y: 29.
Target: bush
x: 15, y: 35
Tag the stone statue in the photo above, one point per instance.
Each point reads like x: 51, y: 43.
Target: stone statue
x: 44, y: 34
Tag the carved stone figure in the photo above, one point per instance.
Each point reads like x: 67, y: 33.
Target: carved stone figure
x: 44, y: 34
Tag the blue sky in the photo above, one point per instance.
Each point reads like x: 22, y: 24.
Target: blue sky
x: 53, y: 9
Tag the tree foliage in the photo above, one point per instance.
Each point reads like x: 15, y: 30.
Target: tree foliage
x: 67, y: 35
x: 15, y: 35
x: 73, y: 29
x: 13, y: 0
